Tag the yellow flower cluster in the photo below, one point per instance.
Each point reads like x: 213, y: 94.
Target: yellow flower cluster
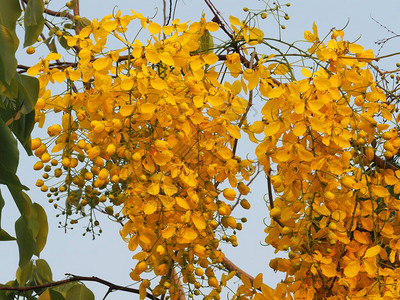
x: 149, y: 128
x: 336, y: 213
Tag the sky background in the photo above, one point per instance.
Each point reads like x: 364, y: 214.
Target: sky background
x: 107, y: 256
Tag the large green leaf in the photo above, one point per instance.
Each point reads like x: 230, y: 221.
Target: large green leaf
x: 9, y: 14
x: 2, y: 202
x: 43, y: 272
x: 24, y: 119
x: 4, y: 236
x: 25, y: 240
x: 41, y: 236
x: 19, y: 115
x: 33, y: 21
x: 206, y: 43
x: 9, y: 154
x: 24, y: 273
x: 8, y: 62
x: 22, y: 201
x: 50, y: 294
x: 7, y: 295
x: 79, y: 292
x: 10, y: 179
x: 64, y: 288
x: 10, y: 11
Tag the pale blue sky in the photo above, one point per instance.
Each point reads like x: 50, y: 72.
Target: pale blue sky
x: 107, y: 256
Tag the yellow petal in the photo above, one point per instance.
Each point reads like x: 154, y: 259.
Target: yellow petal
x: 154, y: 28
x: 198, y: 221
x: 306, y: 72
x: 126, y: 110
x: 147, y: 108
x: 58, y: 76
x: 153, y: 189
x: 372, y: 251
x: 150, y: 207
x: 352, y: 269
x: 212, y: 26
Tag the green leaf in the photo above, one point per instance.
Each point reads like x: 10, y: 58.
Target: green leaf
x: 29, y: 87
x: 4, y: 236
x: 83, y: 22
x: 9, y: 14
x: 24, y: 274
x: 10, y: 11
x: 33, y: 21
x: 6, y: 295
x: 22, y: 201
x: 50, y: 294
x: 63, y: 42
x: 69, y: 26
x: 45, y: 295
x: 206, y: 43
x: 44, y: 274
x: 79, y: 292
x: 21, y: 119
x: 64, y: 288
x: 9, y: 154
x: 22, y: 128
x: 41, y: 237
x: 25, y: 240
x: 10, y: 91
x: 2, y: 202
x: 51, y: 43
x: 10, y: 179
x: 8, y: 62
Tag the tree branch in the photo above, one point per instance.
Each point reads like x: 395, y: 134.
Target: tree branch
x: 178, y: 283
x: 232, y: 267
x: 74, y: 278
x: 76, y: 13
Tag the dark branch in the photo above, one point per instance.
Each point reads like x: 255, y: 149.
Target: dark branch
x: 74, y: 278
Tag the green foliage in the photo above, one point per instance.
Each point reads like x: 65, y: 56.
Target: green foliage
x: 206, y: 43
x: 33, y: 21
x: 51, y: 294
x: 79, y: 292
x: 9, y: 156
x: 4, y: 236
x: 43, y: 272
x: 25, y: 240
x: 9, y: 14
x: 41, y: 236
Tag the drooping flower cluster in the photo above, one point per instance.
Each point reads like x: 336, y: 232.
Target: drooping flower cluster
x: 151, y: 128
x: 337, y: 207
x: 152, y: 131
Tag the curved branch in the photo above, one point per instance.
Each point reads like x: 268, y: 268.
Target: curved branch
x: 232, y: 267
x: 74, y: 278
